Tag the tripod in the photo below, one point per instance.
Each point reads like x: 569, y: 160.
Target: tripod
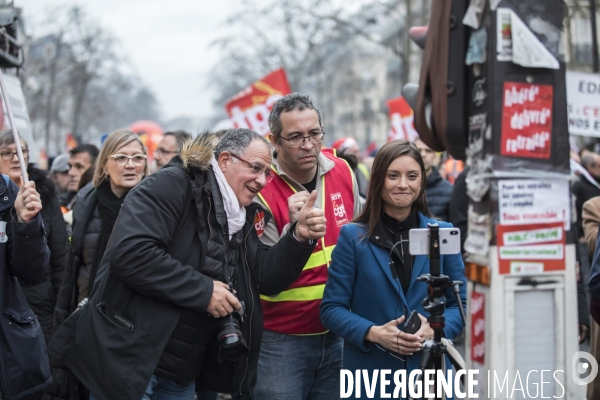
x: 434, y: 349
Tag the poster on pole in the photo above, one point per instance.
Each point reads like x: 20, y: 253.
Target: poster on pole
x: 402, y: 118
x: 531, y: 249
x: 250, y: 108
x: 526, y: 120
x: 534, y: 201
x: 583, y: 103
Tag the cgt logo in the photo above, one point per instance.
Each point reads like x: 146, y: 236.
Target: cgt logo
x: 339, y: 211
x: 584, y: 367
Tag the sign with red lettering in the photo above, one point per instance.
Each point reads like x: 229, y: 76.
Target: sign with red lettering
x: 583, y: 103
x: 534, y: 201
x: 477, y: 308
x: 250, y: 108
x: 526, y: 120
x: 531, y: 249
x: 401, y: 120
x: 339, y: 211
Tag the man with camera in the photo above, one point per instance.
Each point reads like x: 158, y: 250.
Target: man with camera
x: 176, y: 296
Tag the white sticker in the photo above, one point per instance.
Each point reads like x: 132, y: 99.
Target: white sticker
x: 3, y: 235
x: 533, y: 236
x: 537, y: 252
x: 533, y: 201
x: 525, y: 268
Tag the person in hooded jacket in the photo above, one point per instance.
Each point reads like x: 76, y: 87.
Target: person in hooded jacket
x: 24, y: 259
x: 42, y: 296
x: 184, y: 254
x: 120, y: 166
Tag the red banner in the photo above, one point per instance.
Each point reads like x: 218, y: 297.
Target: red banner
x: 526, y: 120
x: 478, y: 327
x: 250, y: 108
x: 401, y: 120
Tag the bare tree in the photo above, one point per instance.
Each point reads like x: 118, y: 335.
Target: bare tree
x: 73, y: 81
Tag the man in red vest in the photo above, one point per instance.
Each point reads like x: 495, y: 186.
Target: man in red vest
x: 299, y: 358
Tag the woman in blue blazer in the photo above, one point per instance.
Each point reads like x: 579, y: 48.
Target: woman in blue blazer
x: 372, y: 283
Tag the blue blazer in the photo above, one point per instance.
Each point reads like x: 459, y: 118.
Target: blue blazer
x: 361, y: 292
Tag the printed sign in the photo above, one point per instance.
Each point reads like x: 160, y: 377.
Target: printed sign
x: 259, y: 223
x: 583, y: 103
x: 533, y: 236
x: 526, y: 120
x: 478, y: 327
x: 539, y: 252
x: 526, y: 268
x: 531, y: 201
x: 3, y: 235
x: 339, y: 211
x: 532, y: 249
x: 401, y: 120
x: 250, y: 108
x: 479, y: 233
x: 517, y: 43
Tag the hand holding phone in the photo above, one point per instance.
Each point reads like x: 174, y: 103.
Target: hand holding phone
x: 413, y: 323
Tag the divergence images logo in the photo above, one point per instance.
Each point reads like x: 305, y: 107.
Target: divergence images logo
x: 584, y: 367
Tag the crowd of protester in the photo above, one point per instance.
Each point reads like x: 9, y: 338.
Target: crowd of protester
x: 232, y: 263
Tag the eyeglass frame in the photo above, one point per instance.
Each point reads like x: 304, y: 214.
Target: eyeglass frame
x: 303, y: 139
x: 129, y: 158
x: 269, y: 175
x: 12, y: 155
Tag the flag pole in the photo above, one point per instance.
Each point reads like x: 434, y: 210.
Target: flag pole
x: 13, y: 127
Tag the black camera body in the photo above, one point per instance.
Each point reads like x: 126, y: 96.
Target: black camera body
x: 232, y: 344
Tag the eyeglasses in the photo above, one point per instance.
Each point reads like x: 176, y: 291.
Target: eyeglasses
x: 297, y: 140
x: 256, y: 169
x: 165, y: 152
x: 8, y: 155
x: 122, y: 159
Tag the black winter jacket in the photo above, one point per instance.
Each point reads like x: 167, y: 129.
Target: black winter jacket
x: 439, y: 195
x: 86, y: 228
x: 42, y: 297
x: 583, y: 190
x: 151, y: 273
x: 24, y: 258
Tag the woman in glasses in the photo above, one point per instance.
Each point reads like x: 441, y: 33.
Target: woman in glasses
x: 120, y: 166
x: 42, y: 296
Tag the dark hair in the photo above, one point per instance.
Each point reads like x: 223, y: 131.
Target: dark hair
x: 294, y: 101
x: 371, y: 212
x: 237, y: 140
x: 92, y: 150
x: 180, y: 136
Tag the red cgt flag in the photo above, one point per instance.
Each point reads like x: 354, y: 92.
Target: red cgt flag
x: 401, y: 120
x: 250, y: 108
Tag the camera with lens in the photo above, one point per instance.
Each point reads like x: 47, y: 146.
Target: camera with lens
x: 232, y: 344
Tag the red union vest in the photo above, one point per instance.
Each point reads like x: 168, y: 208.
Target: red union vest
x: 295, y: 311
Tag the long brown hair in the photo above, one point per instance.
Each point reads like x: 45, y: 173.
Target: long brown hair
x: 371, y: 212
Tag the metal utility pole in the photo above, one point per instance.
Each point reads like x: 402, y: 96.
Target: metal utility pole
x: 595, y: 63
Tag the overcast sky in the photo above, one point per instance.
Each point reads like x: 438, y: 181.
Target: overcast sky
x: 167, y: 43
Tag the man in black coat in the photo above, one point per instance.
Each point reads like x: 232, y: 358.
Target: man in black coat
x: 183, y: 256
x: 587, y: 187
x: 438, y: 190
x: 24, y: 257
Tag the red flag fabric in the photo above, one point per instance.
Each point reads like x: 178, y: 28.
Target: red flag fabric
x: 250, y: 108
x: 70, y: 141
x: 401, y: 120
